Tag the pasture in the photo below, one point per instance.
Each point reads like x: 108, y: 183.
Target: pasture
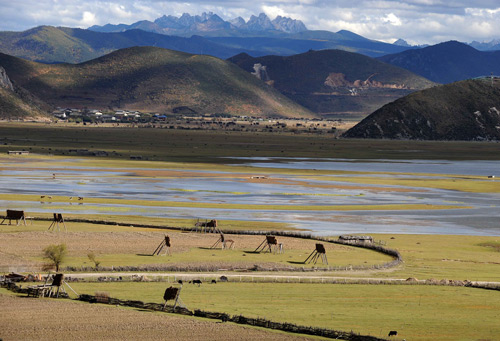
x: 417, y: 312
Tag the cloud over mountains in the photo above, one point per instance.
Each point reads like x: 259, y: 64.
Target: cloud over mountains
x: 416, y: 21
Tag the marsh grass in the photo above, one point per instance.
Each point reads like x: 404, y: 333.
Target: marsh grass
x: 209, y: 146
x: 463, y: 184
x: 140, y: 203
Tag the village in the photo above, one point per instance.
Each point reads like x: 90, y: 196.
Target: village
x: 193, y: 120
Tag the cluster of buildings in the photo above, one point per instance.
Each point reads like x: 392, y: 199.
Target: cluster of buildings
x: 94, y: 115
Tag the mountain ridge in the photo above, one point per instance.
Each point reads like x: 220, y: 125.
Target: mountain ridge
x: 209, y: 22
x: 333, y: 81
x: 447, y: 62
x: 152, y: 79
x: 465, y: 110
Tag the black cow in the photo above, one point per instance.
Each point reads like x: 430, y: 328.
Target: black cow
x: 393, y: 333
x: 196, y: 281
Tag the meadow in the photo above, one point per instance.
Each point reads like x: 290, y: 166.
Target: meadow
x: 412, y: 310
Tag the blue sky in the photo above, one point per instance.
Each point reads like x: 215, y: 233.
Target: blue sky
x: 417, y: 21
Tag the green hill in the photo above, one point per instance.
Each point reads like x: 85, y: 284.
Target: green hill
x: 465, y: 110
x: 335, y: 82
x: 152, y: 79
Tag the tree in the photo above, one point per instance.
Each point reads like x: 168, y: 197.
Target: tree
x: 55, y: 254
x: 92, y: 258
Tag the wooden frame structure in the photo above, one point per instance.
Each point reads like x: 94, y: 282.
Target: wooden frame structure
x: 272, y: 245
x: 206, y: 226
x: 223, y: 241
x: 18, y: 216
x: 47, y: 290
x: 173, y: 293
x: 319, y: 251
x: 58, y: 218
x: 165, y: 243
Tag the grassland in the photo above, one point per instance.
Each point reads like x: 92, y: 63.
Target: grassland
x: 464, y: 313
x: 120, y: 246
x: 214, y: 146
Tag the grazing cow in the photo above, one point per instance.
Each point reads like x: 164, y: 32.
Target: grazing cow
x: 80, y: 198
x: 214, y: 281
x: 180, y: 281
x: 393, y: 333
x: 196, y: 281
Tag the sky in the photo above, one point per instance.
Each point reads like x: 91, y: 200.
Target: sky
x: 416, y: 21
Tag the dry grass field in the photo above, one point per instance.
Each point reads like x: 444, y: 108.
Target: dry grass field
x: 23, y: 318
x: 132, y: 246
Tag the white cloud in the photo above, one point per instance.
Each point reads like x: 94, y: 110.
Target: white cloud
x: 418, y: 21
x: 392, y: 19
x: 88, y: 19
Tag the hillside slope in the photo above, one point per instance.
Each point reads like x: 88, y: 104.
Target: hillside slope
x: 73, y: 45
x: 17, y: 103
x: 466, y: 110
x: 447, y: 62
x: 334, y: 82
x: 152, y: 79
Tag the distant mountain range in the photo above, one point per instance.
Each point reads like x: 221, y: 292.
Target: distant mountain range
x: 210, y: 24
x: 152, y: 79
x: 447, y: 62
x: 334, y: 83
x: 71, y: 45
x: 466, y: 110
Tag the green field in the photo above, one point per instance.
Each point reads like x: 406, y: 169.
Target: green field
x: 412, y: 310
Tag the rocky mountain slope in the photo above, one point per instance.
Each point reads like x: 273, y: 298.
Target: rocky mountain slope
x: 447, y: 62
x: 334, y: 82
x: 465, y: 110
x: 210, y: 24
x: 17, y: 103
x: 152, y: 79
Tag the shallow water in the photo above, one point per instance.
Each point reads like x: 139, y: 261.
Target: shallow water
x: 482, y: 219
